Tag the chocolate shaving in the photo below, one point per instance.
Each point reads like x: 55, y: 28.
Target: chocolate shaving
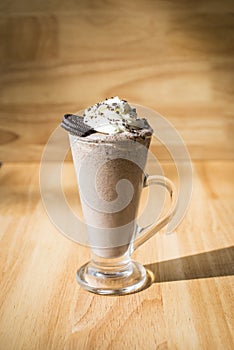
x: 75, y: 125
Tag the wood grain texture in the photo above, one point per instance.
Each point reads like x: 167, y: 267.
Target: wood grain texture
x: 175, y: 57
x: 189, y: 305
x: 61, y: 56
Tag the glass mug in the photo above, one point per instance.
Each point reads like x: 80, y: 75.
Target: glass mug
x: 110, y: 176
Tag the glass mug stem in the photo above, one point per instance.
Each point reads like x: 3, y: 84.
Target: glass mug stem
x: 120, y: 275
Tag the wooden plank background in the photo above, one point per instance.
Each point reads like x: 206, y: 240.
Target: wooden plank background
x: 173, y: 56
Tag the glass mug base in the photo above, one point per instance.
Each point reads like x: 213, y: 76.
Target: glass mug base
x: 126, y: 279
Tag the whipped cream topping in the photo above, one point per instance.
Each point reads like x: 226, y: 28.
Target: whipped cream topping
x: 113, y: 116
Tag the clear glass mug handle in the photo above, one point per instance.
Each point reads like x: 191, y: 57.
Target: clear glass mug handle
x: 155, y: 227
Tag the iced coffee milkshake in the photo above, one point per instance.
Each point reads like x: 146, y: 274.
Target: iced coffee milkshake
x: 109, y: 146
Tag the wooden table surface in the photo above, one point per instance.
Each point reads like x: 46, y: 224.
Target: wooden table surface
x: 173, y: 56
x: 189, y: 305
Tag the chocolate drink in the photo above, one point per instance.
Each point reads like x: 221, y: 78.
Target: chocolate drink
x: 109, y: 166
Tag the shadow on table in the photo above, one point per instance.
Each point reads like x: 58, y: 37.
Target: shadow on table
x: 215, y: 263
